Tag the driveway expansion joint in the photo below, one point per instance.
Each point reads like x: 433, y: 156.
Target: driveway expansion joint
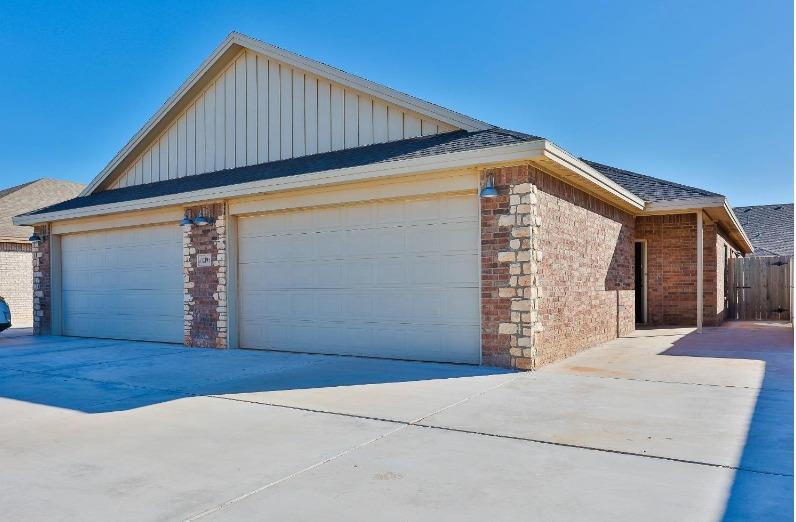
x: 636, y: 379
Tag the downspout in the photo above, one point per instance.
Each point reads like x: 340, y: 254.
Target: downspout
x: 700, y: 270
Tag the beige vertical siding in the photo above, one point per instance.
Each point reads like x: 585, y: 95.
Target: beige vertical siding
x: 259, y: 110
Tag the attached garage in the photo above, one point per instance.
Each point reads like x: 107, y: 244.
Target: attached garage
x: 395, y: 278
x: 123, y: 284
x: 324, y: 213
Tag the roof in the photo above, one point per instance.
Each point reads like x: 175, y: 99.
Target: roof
x: 31, y: 196
x: 650, y: 189
x: 435, y: 145
x: 769, y: 227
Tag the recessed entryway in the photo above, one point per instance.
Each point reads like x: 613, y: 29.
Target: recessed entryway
x: 641, y: 281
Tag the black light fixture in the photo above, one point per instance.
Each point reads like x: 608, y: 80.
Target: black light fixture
x: 34, y: 238
x: 200, y: 220
x: 489, y: 190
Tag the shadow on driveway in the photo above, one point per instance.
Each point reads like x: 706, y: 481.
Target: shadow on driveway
x: 770, y: 431
x: 100, y: 376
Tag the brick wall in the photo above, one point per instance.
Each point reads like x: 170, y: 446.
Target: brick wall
x: 586, y: 271
x: 551, y: 258
x: 671, y: 270
x: 41, y: 282
x: 205, y: 287
x: 16, y: 281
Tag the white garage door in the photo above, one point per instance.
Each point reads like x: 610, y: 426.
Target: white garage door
x: 123, y: 284
x: 386, y: 279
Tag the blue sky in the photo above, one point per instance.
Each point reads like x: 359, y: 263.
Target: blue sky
x: 695, y: 92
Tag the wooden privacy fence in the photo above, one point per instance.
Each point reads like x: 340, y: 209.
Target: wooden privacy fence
x: 760, y: 288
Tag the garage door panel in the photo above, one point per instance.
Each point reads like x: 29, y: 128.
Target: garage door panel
x: 393, y: 279
x: 402, y: 341
x: 451, y: 306
x: 134, y: 279
x: 382, y: 271
x: 123, y: 284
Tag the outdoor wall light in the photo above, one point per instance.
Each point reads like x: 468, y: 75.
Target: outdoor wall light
x: 186, y: 221
x: 201, y: 220
x: 34, y: 238
x: 489, y: 190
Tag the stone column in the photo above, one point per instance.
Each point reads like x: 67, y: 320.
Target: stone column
x: 510, y: 286
x: 41, y: 282
x: 205, y: 278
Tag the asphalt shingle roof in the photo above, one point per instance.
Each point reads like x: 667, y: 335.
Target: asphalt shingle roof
x: 648, y: 188
x: 425, y: 146
x: 30, y: 196
x: 769, y: 227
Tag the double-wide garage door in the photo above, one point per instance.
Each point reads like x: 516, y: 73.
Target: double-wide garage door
x: 123, y: 284
x: 387, y: 279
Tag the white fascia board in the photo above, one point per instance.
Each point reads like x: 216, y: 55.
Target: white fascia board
x: 417, y: 105
x: 591, y: 175
x: 488, y: 156
x: 737, y: 223
x: 368, y: 87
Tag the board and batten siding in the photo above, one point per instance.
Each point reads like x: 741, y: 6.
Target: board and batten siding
x: 260, y: 110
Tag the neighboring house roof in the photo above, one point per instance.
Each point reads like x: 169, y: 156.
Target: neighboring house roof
x: 769, y: 227
x: 648, y: 188
x: 31, y: 196
x: 427, y: 146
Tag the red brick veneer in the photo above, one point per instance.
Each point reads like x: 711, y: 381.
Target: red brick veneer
x: 579, y: 289
x: 205, y: 286
x: 586, y: 272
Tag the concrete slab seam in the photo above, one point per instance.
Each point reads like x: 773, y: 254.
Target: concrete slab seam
x: 671, y: 382
x: 604, y: 450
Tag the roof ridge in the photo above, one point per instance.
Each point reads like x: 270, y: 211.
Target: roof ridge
x: 16, y: 188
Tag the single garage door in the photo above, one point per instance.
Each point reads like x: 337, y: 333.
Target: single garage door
x: 396, y: 279
x: 123, y: 284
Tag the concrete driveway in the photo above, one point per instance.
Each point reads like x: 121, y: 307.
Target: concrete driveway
x: 664, y: 425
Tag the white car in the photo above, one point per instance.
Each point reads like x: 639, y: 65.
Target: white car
x: 5, y: 315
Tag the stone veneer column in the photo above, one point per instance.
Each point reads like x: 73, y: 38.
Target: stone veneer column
x: 510, y: 288
x: 205, y: 287
x: 41, y: 282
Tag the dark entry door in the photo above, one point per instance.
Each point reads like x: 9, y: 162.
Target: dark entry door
x: 640, y: 282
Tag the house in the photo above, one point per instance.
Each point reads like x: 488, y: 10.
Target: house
x: 16, y: 274
x: 769, y: 227
x: 275, y: 202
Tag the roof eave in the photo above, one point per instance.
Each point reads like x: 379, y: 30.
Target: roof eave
x: 537, y: 151
x: 582, y: 175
